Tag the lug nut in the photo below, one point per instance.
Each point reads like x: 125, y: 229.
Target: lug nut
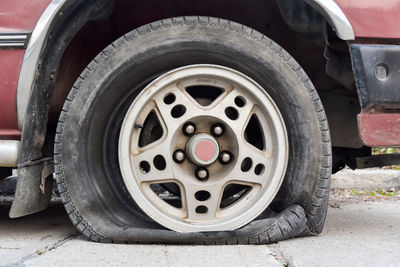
x: 217, y: 130
x: 202, y: 173
x: 189, y: 129
x: 179, y: 156
x: 225, y: 157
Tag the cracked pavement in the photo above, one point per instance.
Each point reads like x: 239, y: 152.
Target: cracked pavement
x: 359, y: 231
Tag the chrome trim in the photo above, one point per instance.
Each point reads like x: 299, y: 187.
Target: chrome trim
x: 32, y: 57
x: 9, y: 153
x: 13, y: 40
x: 335, y: 16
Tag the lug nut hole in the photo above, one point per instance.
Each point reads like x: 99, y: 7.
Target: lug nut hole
x: 225, y: 157
x: 178, y: 111
x: 240, y: 102
x: 179, y: 156
x: 231, y: 113
x: 159, y: 162
x: 144, y: 167
x: 169, y: 99
x: 246, y: 165
x: 202, y: 195
x: 189, y: 129
x: 217, y: 130
x: 259, y: 169
x: 201, y: 174
x: 201, y: 209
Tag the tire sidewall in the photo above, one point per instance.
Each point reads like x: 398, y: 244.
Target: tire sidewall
x: 118, y: 74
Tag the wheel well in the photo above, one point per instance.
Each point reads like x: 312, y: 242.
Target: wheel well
x: 295, y: 25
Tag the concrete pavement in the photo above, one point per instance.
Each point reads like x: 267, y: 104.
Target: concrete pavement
x: 33, y: 235
x: 362, y: 234
x: 367, y: 179
x: 358, y: 232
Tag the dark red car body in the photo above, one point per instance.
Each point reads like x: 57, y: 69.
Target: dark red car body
x: 27, y: 29
x: 372, y: 22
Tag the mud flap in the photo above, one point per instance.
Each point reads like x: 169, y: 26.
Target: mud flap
x: 73, y: 15
x: 34, y: 188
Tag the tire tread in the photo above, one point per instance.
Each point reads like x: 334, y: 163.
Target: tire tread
x: 292, y: 219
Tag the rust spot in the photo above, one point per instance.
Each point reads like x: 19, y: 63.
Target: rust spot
x: 379, y: 129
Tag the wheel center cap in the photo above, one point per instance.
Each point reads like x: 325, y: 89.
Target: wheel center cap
x: 202, y: 149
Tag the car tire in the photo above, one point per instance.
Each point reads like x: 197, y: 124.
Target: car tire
x: 87, y: 144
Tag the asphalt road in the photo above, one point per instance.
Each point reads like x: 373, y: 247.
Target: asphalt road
x: 361, y: 230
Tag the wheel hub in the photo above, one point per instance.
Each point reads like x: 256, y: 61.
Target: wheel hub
x: 202, y: 149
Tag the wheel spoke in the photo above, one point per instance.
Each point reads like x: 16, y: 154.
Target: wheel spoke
x: 248, y: 178
x: 237, y: 123
x: 214, y: 202
x: 154, y: 176
x: 195, y: 207
x: 257, y: 157
x: 167, y: 112
x: 144, y: 163
x: 164, y: 114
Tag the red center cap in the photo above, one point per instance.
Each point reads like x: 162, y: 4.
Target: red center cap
x: 202, y: 149
x: 205, y: 150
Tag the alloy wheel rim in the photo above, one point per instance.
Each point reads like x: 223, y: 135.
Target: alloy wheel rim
x: 216, y: 105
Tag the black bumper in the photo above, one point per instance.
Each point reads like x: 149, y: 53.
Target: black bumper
x: 376, y: 71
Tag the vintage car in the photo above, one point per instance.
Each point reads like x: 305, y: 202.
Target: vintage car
x: 181, y: 121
